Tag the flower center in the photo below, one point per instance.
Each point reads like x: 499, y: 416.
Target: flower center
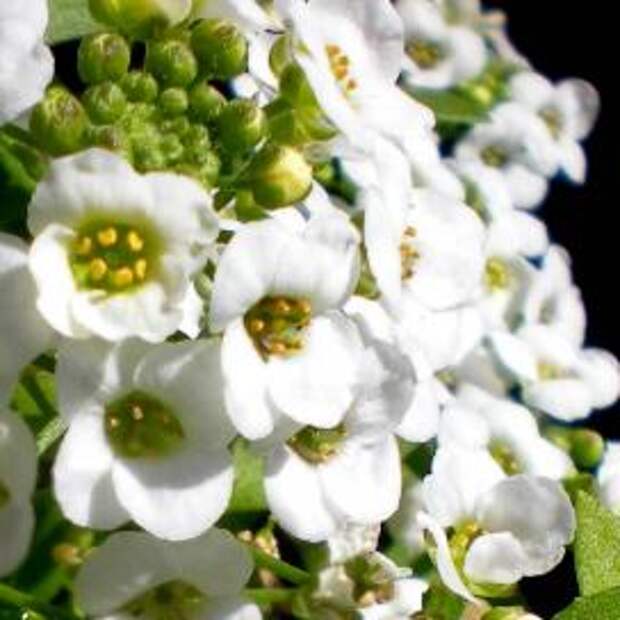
x: 497, y: 275
x: 553, y: 119
x: 408, y: 254
x: 425, y: 54
x: 175, y: 600
x: 277, y: 325
x: 318, y: 445
x: 372, y: 584
x: 505, y: 457
x: 548, y: 371
x: 112, y: 257
x: 494, y: 156
x: 340, y: 65
x: 5, y: 495
x: 141, y: 426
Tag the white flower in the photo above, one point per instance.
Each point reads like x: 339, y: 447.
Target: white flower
x: 134, y: 575
x: 114, y: 251
x: 18, y: 471
x: 508, y: 431
x: 556, y: 377
x: 23, y: 333
x: 569, y: 109
x: 517, y: 143
x: 552, y: 299
x: 147, y: 438
x: 439, y: 54
x: 505, y: 542
x: 287, y: 346
x: 321, y: 479
x: 608, y: 477
x: 26, y: 63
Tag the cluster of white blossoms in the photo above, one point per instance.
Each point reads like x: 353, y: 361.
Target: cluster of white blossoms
x: 284, y: 335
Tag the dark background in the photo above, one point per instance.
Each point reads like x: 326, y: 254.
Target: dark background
x: 575, y: 39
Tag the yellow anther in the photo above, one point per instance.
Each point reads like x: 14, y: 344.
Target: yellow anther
x: 352, y: 85
x: 136, y: 413
x: 332, y: 50
x: 113, y: 422
x: 277, y: 348
x: 305, y: 306
x: 107, y: 237
x: 135, y: 241
x: 123, y: 277
x: 257, y: 326
x: 140, y: 268
x: 97, y: 269
x: 282, y: 306
x: 83, y: 246
x: 340, y: 73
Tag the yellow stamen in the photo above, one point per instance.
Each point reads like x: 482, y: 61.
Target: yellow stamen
x: 107, y: 237
x: 123, y: 277
x: 84, y: 246
x: 135, y: 241
x: 97, y: 269
x: 140, y: 267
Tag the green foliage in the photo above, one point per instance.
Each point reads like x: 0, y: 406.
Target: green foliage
x: 597, y: 547
x: 69, y: 19
x: 248, y: 492
x: 603, y: 606
x: 451, y: 107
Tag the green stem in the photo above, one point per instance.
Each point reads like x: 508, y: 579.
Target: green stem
x: 286, y: 571
x: 50, y: 434
x: 269, y: 596
x: 21, y: 600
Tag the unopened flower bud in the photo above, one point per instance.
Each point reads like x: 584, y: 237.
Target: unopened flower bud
x: 140, y: 17
x: 280, y: 55
x: 221, y: 48
x: 111, y: 138
x: 295, y: 87
x: 140, y: 86
x: 105, y: 103
x: 173, y: 102
x: 587, y: 448
x: 102, y: 57
x: 278, y: 176
x: 206, y: 102
x: 241, y: 126
x: 59, y: 122
x: 172, y: 62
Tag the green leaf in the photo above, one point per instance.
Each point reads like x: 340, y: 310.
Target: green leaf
x: 69, y: 19
x: 603, y: 606
x: 597, y: 547
x: 451, y: 107
x: 248, y: 491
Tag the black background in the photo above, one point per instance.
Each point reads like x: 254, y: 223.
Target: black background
x: 578, y: 39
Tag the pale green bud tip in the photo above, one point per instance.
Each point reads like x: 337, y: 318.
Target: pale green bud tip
x: 172, y: 62
x: 279, y: 176
x: 105, y: 103
x: 59, y: 122
x: 241, y: 125
x: 587, y: 448
x: 103, y: 57
x: 221, y: 48
x: 173, y: 102
x: 206, y: 102
x: 140, y: 87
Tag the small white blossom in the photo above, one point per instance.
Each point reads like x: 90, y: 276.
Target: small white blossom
x: 115, y: 251
x: 18, y: 471
x: 134, y: 575
x: 147, y: 439
x: 608, y: 477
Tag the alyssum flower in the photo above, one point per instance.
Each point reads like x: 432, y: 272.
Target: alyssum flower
x: 114, y: 252
x: 147, y: 438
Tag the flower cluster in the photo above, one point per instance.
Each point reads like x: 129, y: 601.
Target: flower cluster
x: 289, y: 334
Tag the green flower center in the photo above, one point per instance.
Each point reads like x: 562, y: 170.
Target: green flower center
x: 175, y: 600
x: 497, y: 276
x: 5, y: 495
x: 505, y: 457
x: 113, y: 257
x: 141, y: 426
x: 553, y: 119
x: 548, y: 371
x: 277, y: 325
x: 372, y: 585
x: 425, y: 54
x: 318, y: 445
x: 494, y: 156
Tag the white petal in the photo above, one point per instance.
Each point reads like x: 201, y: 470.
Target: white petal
x: 18, y: 457
x: 531, y: 89
x: 573, y: 160
x: 585, y: 103
x: 495, y: 558
x: 316, y: 385
x: 228, y: 609
x: 600, y: 370
x: 565, y: 399
x: 82, y: 476
x: 16, y: 528
x: 514, y: 355
x: 527, y: 189
x: 295, y: 496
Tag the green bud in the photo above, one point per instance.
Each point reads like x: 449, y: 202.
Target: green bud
x: 296, y: 89
x: 221, y: 48
x: 140, y: 86
x: 59, y: 122
x: 278, y: 176
x: 206, y: 102
x: 103, y: 57
x: 111, y: 138
x: 587, y: 448
x: 210, y: 169
x: 147, y: 152
x: 105, y: 103
x: 241, y: 125
x: 285, y: 126
x: 140, y: 18
x: 173, y: 148
x: 178, y: 126
x: 173, y: 102
x: 197, y: 145
x: 171, y: 62
x: 579, y: 483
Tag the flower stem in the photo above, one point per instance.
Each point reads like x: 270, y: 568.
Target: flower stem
x: 268, y: 596
x: 286, y: 571
x: 22, y: 600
